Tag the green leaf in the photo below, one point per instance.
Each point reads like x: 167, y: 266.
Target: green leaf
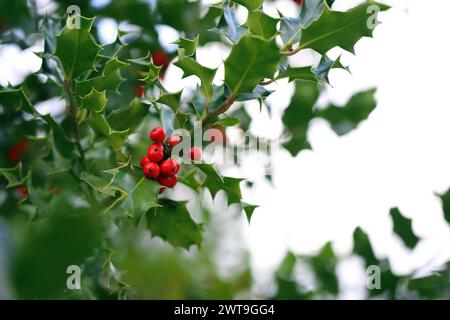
x: 109, y: 80
x: 128, y: 118
x: 362, y: 247
x: 227, y: 122
x: 228, y: 25
x: 339, y: 29
x: 173, y: 223
x: 102, y: 128
x: 345, y: 118
x: 290, y: 30
x: 261, y: 24
x: 324, y: 266
x: 403, y: 228
x: 325, y: 65
x: 94, y: 101
x: 215, y: 182
x: 298, y: 114
x: 297, y: 73
x: 206, y: 75
x: 251, y: 59
x: 76, y: 49
x: 248, y: 209
x: 310, y: 11
x: 13, y: 175
x: 152, y: 74
x: 251, y: 5
x: 100, y: 184
x: 189, y: 46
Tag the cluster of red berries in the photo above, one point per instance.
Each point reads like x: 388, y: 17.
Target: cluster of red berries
x: 158, y: 165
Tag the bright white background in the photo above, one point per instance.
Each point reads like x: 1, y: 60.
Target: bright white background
x: 399, y: 157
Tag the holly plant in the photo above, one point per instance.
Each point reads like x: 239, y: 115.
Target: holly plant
x: 81, y: 182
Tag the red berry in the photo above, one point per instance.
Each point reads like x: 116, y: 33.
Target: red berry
x: 144, y: 161
x: 195, y: 154
x: 23, y: 192
x: 300, y: 2
x: 158, y: 135
x: 169, y: 166
x: 161, y: 190
x: 139, y: 91
x: 168, y: 181
x: 155, y: 152
x: 151, y: 170
x: 160, y: 59
x: 16, y: 152
x: 173, y: 141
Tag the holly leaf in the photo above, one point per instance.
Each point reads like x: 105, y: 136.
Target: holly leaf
x: 339, y: 29
x: 324, y: 266
x: 259, y: 93
x: 251, y: 5
x: 13, y: 175
x: 99, y: 184
x: 251, y: 59
x: 75, y: 48
x: 228, y: 25
x: 248, y: 209
x: 102, y: 128
x: 310, y: 11
x: 298, y: 73
x: 206, y: 75
x: 152, y: 73
x: 325, y: 65
x: 189, y: 46
x: 261, y: 24
x: 345, y: 118
x: 363, y: 248
x: 173, y: 223
x: 109, y: 80
x: 403, y: 228
x: 129, y: 117
x: 94, y: 101
x: 290, y: 30
x: 297, y: 115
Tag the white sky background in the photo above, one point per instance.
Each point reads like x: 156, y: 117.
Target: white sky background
x: 399, y: 157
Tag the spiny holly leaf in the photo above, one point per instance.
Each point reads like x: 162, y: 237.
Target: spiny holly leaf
x: 345, y: 118
x: 75, y: 48
x: 102, y: 128
x: 189, y: 46
x: 16, y: 99
x: 173, y: 101
x: 298, y: 114
x: 129, y: 117
x: 259, y: 93
x: 290, y: 30
x: 228, y: 25
x: 446, y: 205
x: 100, y: 184
x: 250, y: 4
x: 219, y: 95
x: 109, y: 80
x: 325, y: 65
x: 251, y: 59
x: 261, y: 24
x: 138, y: 193
x: 297, y: 73
x: 206, y: 75
x: 403, y: 228
x: 215, y: 182
x: 339, y: 29
x: 13, y: 175
x: 153, y: 70
x: 173, y: 223
x: 310, y: 11
x: 94, y: 101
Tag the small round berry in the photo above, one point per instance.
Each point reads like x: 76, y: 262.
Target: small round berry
x: 23, y: 192
x: 144, y: 161
x: 161, y: 190
x: 169, y: 166
x: 151, y: 170
x: 155, y: 152
x: 195, y: 154
x: 139, y: 91
x: 300, y: 2
x: 158, y: 135
x: 168, y: 181
x: 160, y: 59
x: 173, y: 141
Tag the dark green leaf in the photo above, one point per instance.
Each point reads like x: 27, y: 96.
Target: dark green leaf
x: 403, y: 228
